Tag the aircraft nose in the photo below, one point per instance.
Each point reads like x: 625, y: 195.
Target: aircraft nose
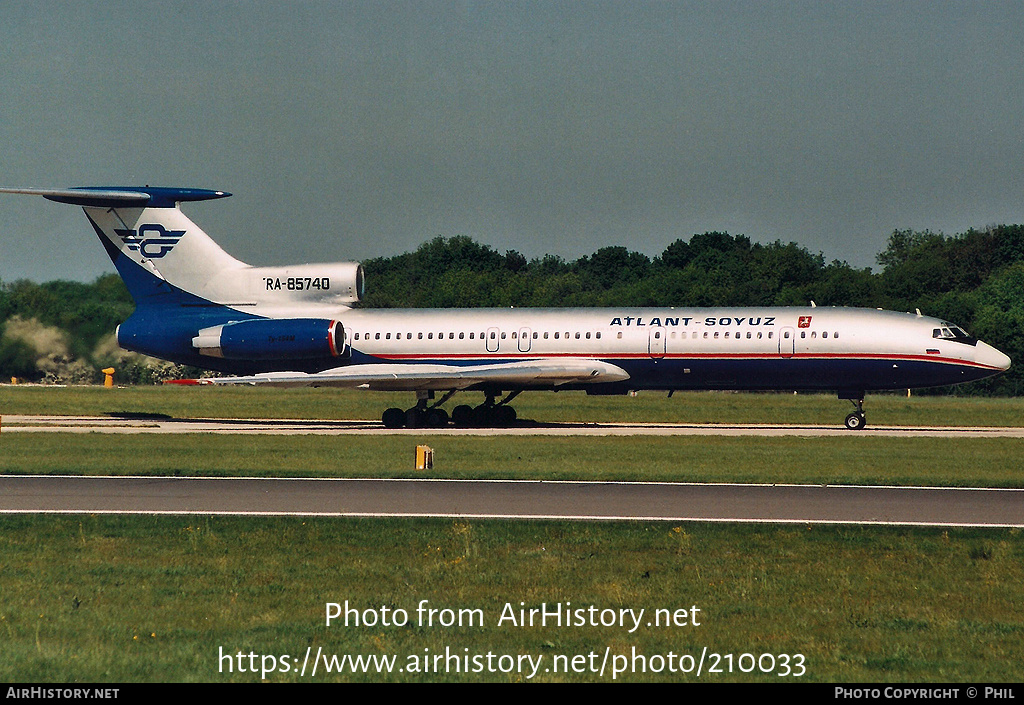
x: 988, y: 356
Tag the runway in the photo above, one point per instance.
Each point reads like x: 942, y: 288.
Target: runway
x: 501, y: 499
x: 160, y: 424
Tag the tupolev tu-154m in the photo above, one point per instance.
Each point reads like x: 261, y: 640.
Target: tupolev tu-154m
x: 298, y: 326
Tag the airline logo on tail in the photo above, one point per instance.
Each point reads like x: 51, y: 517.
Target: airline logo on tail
x: 152, y: 240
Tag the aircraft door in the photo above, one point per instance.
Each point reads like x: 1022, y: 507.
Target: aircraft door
x: 525, y: 340
x: 787, y: 342
x: 656, y: 342
x: 493, y: 340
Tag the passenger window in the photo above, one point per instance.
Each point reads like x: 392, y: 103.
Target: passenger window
x: 451, y: 336
x: 462, y: 335
x: 598, y: 335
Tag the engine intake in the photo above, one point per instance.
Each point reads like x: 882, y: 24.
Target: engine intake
x: 273, y: 339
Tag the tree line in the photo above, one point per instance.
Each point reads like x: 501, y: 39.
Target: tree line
x: 974, y: 279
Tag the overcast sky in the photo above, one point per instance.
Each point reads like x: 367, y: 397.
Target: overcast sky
x: 350, y: 130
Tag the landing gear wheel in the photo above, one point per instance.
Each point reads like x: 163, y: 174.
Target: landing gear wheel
x: 436, y: 418
x: 415, y: 418
x: 393, y: 418
x: 504, y: 416
x: 856, y: 421
x: 462, y: 416
x: 483, y: 416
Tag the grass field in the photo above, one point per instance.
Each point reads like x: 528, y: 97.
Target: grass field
x: 972, y: 462
x: 142, y: 598
x: 100, y: 598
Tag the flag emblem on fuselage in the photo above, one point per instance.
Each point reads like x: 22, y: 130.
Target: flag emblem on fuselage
x: 804, y: 322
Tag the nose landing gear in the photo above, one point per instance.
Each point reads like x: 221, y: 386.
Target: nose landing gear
x: 856, y: 420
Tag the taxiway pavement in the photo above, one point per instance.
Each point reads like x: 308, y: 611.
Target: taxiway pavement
x: 158, y: 424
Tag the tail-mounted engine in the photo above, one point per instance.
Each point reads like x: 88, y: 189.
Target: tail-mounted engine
x: 337, y: 283
x: 273, y: 339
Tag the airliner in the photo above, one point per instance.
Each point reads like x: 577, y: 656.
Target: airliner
x: 300, y: 326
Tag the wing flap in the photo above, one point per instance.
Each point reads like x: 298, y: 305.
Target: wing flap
x: 414, y: 377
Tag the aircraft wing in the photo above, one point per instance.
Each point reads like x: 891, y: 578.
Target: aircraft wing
x: 413, y: 377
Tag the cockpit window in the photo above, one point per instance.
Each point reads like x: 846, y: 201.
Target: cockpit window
x: 955, y: 333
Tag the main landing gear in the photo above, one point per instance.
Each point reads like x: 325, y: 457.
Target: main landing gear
x: 490, y: 414
x: 856, y: 420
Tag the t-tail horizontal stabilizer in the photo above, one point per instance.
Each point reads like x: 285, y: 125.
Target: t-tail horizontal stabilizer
x: 121, y: 196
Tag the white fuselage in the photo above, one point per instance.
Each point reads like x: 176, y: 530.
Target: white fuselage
x: 678, y: 348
